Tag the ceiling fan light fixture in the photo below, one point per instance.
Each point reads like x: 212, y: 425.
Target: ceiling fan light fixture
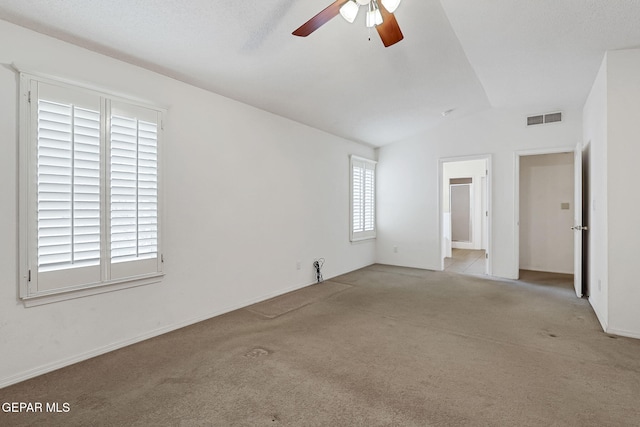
x: 374, y: 17
x: 391, y: 5
x: 349, y: 11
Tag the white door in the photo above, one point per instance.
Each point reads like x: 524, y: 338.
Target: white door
x: 577, y: 220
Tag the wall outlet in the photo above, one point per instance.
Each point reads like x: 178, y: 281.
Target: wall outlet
x: 395, y: 249
x: 298, y: 265
x: 599, y: 285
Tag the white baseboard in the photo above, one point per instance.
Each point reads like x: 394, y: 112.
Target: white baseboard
x: 524, y: 267
x: 612, y: 331
x: 49, y: 367
x: 463, y: 245
x: 623, y: 333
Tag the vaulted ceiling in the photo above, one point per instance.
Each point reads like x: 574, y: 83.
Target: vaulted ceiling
x: 456, y: 54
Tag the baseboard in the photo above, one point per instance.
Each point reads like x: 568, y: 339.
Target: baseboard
x: 464, y: 245
x: 623, y: 333
x: 31, y: 373
x: 544, y: 271
x: 612, y: 331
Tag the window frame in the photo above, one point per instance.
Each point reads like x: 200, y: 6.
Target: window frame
x: 29, y: 293
x: 357, y: 236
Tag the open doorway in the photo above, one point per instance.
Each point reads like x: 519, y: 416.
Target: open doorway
x: 465, y: 201
x: 546, y: 207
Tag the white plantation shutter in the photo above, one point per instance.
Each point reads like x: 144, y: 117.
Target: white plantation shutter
x: 147, y: 190
x: 86, y: 187
x: 358, y: 197
x: 68, y: 186
x: 369, y: 211
x: 133, y: 188
x: 124, y: 188
x: 67, y: 196
x: 89, y: 166
x: 363, y: 205
x: 55, y: 189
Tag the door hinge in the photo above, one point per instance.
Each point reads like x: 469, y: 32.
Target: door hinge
x: 29, y: 276
x: 29, y: 97
x: 161, y: 124
x: 162, y: 258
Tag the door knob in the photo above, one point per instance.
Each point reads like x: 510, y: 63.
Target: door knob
x: 580, y: 228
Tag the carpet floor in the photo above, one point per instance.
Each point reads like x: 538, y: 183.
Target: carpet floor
x: 381, y: 346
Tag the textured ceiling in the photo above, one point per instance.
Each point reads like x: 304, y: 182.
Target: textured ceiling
x: 542, y: 53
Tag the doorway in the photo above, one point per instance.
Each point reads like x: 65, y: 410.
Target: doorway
x: 461, y: 208
x: 546, y: 207
x: 464, y: 201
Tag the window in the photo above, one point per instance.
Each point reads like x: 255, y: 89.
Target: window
x: 363, y: 199
x: 90, y: 195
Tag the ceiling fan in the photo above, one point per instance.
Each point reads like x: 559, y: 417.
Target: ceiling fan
x: 379, y: 15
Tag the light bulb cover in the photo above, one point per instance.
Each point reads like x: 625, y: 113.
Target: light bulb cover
x: 391, y: 5
x: 370, y: 19
x: 378, y: 17
x: 349, y: 11
x: 374, y: 17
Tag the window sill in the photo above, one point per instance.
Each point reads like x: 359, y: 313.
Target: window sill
x: 63, y: 295
x: 362, y: 239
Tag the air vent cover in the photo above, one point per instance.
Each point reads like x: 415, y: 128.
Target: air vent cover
x: 553, y: 117
x: 544, y: 118
x: 535, y: 120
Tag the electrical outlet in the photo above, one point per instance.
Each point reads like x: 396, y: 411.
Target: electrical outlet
x: 395, y: 249
x: 599, y: 285
x: 298, y: 265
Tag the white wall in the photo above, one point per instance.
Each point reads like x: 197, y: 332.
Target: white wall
x: 595, y: 136
x: 409, y: 219
x: 623, y: 207
x: 474, y: 169
x: 248, y: 194
x: 546, y: 238
x: 611, y: 128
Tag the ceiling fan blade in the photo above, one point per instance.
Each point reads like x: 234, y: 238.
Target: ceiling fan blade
x: 320, y: 19
x: 389, y: 30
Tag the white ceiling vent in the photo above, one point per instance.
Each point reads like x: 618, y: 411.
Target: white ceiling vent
x: 544, y: 118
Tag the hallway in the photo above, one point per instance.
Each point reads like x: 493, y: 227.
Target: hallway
x: 466, y: 261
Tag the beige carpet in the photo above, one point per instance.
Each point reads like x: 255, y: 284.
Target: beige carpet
x: 283, y: 304
x: 397, y: 347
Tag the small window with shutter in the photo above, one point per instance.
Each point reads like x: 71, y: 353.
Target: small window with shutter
x: 89, y: 191
x: 363, y: 200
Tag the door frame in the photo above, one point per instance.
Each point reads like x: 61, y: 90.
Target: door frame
x: 489, y: 206
x: 516, y: 198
